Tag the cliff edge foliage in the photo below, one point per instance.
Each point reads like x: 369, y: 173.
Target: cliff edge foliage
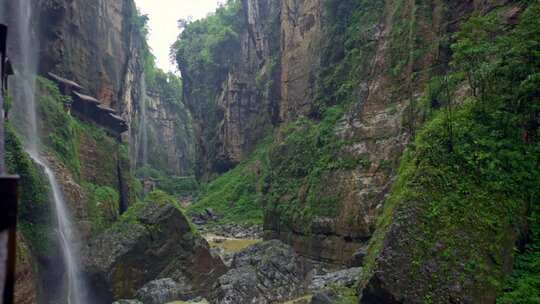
x: 467, y: 188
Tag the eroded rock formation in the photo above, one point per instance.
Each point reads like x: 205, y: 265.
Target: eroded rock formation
x: 154, y: 242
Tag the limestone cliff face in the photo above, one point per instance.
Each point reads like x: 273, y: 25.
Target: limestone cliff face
x: 399, y: 50
x: 93, y: 43
x: 26, y: 291
x: 169, y: 137
x: 273, y: 80
x: 241, y: 96
x: 301, y: 34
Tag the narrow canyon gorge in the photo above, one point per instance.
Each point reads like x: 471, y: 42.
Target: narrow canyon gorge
x: 307, y: 152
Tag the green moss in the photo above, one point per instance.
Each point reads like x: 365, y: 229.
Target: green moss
x: 301, y: 167
x: 345, y: 295
x: 60, y: 130
x: 34, y: 209
x: 469, y: 200
x: 287, y: 177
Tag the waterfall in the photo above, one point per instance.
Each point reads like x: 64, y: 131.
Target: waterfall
x: 26, y: 68
x: 142, y: 132
x: 76, y: 289
x: 25, y: 58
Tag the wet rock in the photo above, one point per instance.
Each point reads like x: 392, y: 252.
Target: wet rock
x: 154, y: 241
x: 358, y: 257
x: 198, y: 301
x: 127, y: 302
x: 324, y: 297
x: 210, y: 213
x: 26, y: 276
x: 160, y: 291
x: 267, y: 272
x: 346, y: 278
x: 206, y: 216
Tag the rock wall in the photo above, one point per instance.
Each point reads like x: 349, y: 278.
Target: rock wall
x: 399, y: 46
x: 301, y: 34
x: 95, y: 44
x: 240, y: 97
x: 397, y: 59
x: 26, y: 284
x: 273, y: 81
x: 169, y: 135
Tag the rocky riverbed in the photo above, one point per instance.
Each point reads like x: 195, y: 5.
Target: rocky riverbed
x: 263, y: 273
x: 256, y: 271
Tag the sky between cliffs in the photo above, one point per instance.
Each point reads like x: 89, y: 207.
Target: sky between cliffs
x: 163, y: 24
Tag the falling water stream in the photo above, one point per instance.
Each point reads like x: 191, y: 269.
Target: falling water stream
x: 143, y: 126
x: 23, y: 90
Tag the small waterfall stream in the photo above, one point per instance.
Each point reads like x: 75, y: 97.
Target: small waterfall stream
x: 142, y: 149
x: 76, y: 289
x: 25, y: 59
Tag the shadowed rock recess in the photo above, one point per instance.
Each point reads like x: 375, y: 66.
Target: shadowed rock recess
x: 331, y: 151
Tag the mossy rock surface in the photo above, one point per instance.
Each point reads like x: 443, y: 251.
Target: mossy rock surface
x: 152, y: 240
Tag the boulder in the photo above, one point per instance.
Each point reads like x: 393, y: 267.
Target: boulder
x: 345, y: 278
x: 150, y: 242
x: 267, y: 272
x: 358, y: 257
x: 160, y: 291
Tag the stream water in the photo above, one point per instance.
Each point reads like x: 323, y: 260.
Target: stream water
x: 25, y: 46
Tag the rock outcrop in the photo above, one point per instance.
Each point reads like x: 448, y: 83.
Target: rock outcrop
x: 346, y: 278
x: 268, y: 272
x: 153, y: 242
x: 161, y: 291
x: 378, y: 124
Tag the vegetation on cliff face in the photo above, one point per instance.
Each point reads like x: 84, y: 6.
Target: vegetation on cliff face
x: 60, y: 128
x: 471, y: 175
x: 34, y: 209
x: 298, y: 170
x: 295, y: 165
x: 208, y: 45
x: 346, y: 50
x: 87, y: 154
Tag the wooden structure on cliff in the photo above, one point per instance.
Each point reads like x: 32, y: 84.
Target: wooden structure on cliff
x: 89, y: 108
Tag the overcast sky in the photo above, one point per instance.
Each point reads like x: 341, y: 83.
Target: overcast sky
x: 163, y: 24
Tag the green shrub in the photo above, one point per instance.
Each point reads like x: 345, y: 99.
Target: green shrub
x: 103, y: 206
x: 60, y: 130
x: 234, y: 195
